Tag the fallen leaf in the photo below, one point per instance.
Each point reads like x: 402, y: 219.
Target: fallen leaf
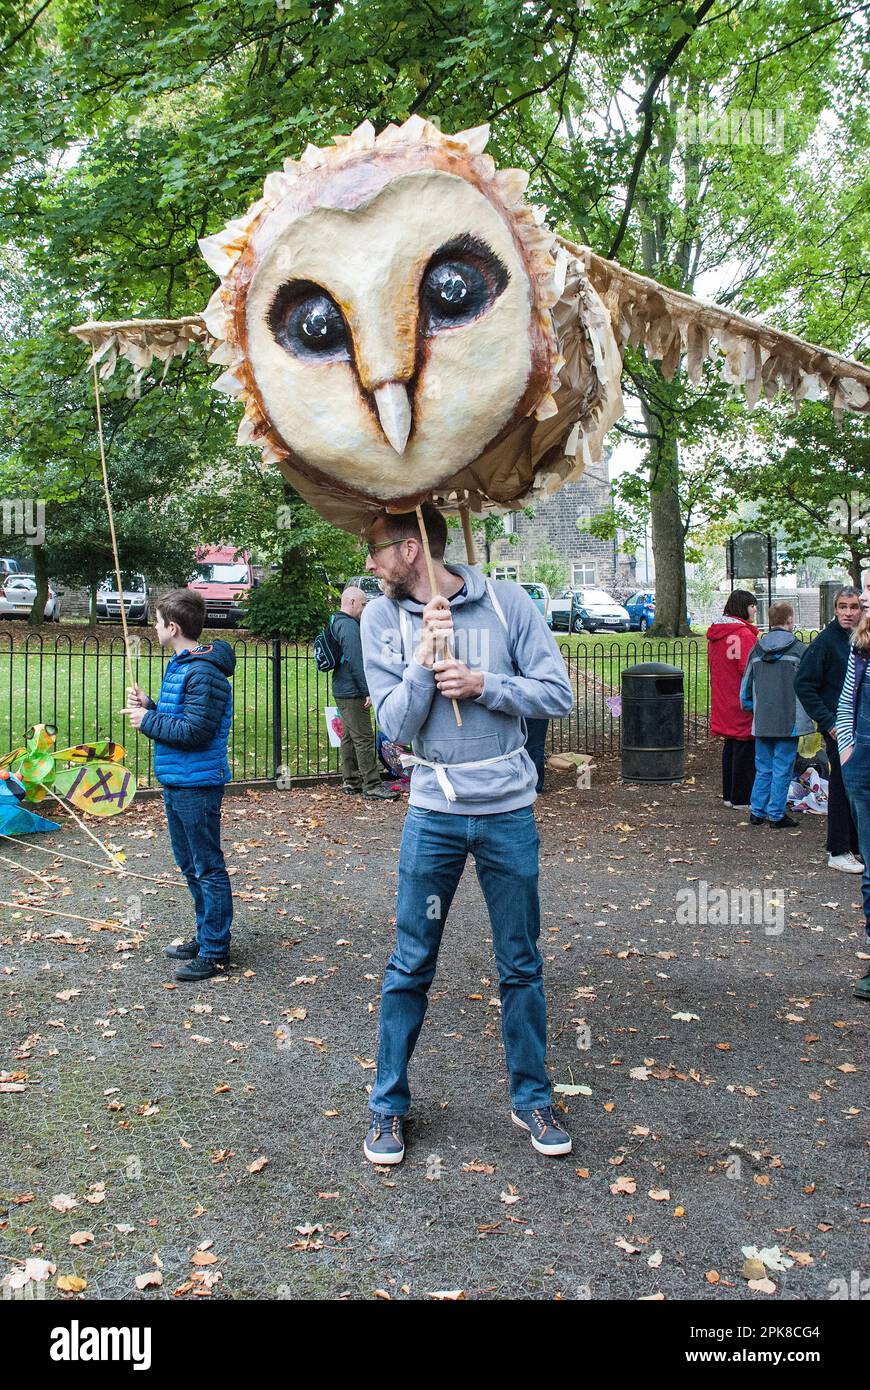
x: 623, y: 1187
x: 258, y: 1165
x: 659, y: 1194
x: 712, y: 1276
x: 63, y: 1201
x: 152, y: 1280
x: 81, y: 1238
x: 762, y: 1285
x: 203, y: 1257
x: 71, y: 1283
x: 687, y: 1018
x: 655, y: 1260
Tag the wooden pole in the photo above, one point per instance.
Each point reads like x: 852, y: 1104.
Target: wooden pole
x: 101, y: 868
x: 130, y: 676
x: 430, y: 570
x: 468, y: 534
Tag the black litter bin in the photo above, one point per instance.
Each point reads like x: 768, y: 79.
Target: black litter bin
x: 653, y: 737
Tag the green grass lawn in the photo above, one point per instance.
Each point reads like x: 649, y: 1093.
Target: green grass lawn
x: 77, y: 680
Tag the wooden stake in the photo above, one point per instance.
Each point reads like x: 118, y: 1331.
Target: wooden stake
x: 115, y: 868
x: 72, y: 916
x: 468, y: 534
x: 430, y: 570
x: 31, y: 873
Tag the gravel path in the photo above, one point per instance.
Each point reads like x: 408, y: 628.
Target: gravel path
x: 151, y: 1105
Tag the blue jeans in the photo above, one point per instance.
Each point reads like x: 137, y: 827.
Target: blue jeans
x: 856, y: 780
x: 193, y: 817
x: 435, y: 846
x: 774, y: 764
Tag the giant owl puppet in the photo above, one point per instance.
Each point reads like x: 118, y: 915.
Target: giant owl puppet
x: 400, y: 324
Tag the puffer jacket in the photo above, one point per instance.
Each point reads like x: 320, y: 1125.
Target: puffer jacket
x: 190, y: 722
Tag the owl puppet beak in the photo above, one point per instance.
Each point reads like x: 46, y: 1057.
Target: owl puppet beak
x: 394, y: 412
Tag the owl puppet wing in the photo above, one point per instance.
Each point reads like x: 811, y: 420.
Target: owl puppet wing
x: 399, y: 323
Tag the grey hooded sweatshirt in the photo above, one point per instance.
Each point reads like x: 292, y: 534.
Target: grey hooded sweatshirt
x: 768, y: 686
x: 525, y: 678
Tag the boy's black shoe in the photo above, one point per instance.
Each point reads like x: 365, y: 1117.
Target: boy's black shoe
x: 756, y: 820
x: 350, y: 790
x: 185, y: 952
x: 784, y: 823
x: 381, y: 793
x: 200, y: 968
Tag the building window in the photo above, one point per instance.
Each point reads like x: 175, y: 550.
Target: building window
x: 583, y: 576
x: 509, y: 522
x: 505, y: 572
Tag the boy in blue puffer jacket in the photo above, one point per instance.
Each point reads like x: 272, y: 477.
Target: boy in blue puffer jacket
x: 190, y: 725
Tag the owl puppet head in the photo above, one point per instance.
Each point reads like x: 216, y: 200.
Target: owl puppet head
x: 386, y: 313
x: 400, y: 324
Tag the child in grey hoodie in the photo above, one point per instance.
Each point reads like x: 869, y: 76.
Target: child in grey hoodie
x: 472, y: 790
x: 778, y: 717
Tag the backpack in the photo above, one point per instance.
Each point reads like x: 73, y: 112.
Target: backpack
x: 327, y: 649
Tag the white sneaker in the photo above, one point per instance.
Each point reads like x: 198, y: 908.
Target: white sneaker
x: 846, y: 863
x: 726, y: 803
x: 856, y: 860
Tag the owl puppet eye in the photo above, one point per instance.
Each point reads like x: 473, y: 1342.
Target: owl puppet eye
x: 462, y: 280
x: 307, y: 322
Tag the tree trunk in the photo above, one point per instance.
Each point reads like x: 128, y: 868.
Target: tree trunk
x: 667, y: 530
x: 856, y: 568
x: 92, y: 608
x: 40, y: 574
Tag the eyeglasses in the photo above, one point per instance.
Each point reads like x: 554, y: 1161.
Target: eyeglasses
x: 375, y: 546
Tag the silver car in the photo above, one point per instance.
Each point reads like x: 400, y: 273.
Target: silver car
x: 17, y: 594
x: 136, y: 597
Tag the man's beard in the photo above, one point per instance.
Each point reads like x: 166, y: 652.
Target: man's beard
x: 400, y: 588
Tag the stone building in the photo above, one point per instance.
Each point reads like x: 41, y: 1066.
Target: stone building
x: 589, y: 562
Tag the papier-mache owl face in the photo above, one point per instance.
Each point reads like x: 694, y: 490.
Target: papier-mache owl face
x: 384, y: 310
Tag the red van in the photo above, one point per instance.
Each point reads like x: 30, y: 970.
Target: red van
x: 225, y: 579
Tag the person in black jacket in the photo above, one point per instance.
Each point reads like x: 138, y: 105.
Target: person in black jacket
x: 818, y: 683
x: 359, y: 760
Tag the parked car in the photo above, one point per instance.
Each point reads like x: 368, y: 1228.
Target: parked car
x: 18, y: 593
x: 540, y: 596
x: 641, y: 609
x: 370, y: 586
x: 587, y: 610
x: 136, y: 597
x: 9, y: 566
x: 225, y: 579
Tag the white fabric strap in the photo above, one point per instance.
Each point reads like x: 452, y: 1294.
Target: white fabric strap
x: 441, y: 769
x: 490, y: 589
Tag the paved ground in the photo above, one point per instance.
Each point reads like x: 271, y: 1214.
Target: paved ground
x: 149, y: 1105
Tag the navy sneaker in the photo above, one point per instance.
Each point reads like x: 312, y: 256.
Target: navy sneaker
x: 185, y: 952
x: 200, y: 968
x: 384, y: 1142
x: 548, y: 1137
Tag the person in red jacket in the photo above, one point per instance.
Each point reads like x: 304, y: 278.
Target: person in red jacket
x: 729, y: 643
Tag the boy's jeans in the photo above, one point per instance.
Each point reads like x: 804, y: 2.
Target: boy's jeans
x: 193, y: 816
x: 435, y: 846
x: 774, y: 764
